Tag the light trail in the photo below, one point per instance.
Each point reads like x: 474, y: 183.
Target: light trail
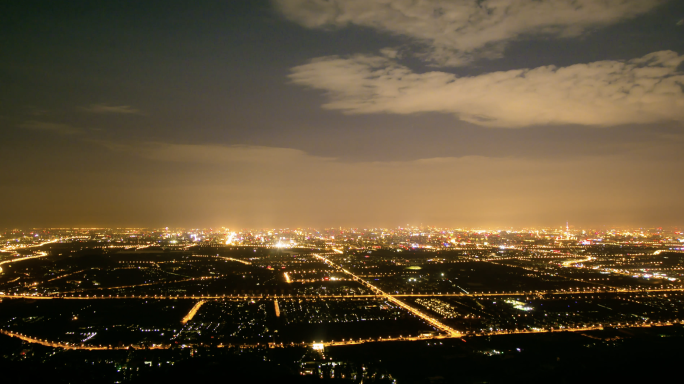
x: 287, y: 277
x: 277, y: 307
x: 193, y: 311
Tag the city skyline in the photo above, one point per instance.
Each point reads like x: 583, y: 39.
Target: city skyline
x: 393, y: 305
x: 307, y: 113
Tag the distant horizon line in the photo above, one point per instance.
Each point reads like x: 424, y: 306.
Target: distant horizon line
x: 235, y: 228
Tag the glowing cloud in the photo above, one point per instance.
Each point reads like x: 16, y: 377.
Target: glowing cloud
x: 643, y: 90
x: 457, y: 32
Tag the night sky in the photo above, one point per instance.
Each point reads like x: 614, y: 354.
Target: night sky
x: 299, y: 113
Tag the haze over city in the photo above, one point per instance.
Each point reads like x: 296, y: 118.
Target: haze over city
x: 303, y: 113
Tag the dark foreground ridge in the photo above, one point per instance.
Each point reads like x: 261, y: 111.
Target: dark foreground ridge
x: 610, y: 355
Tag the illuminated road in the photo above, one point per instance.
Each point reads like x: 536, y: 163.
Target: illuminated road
x: 193, y: 311
x: 430, y: 320
x: 378, y: 295
x: 13, y: 248
x: 143, y: 284
x: 75, y: 346
x: 66, y: 275
x: 47, y: 343
x: 232, y: 259
x: 511, y: 332
x: 40, y: 254
x: 570, y: 263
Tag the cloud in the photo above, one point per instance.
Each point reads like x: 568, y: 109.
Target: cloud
x: 680, y: 22
x: 60, y: 128
x: 116, y: 109
x: 457, y: 32
x: 604, y: 93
